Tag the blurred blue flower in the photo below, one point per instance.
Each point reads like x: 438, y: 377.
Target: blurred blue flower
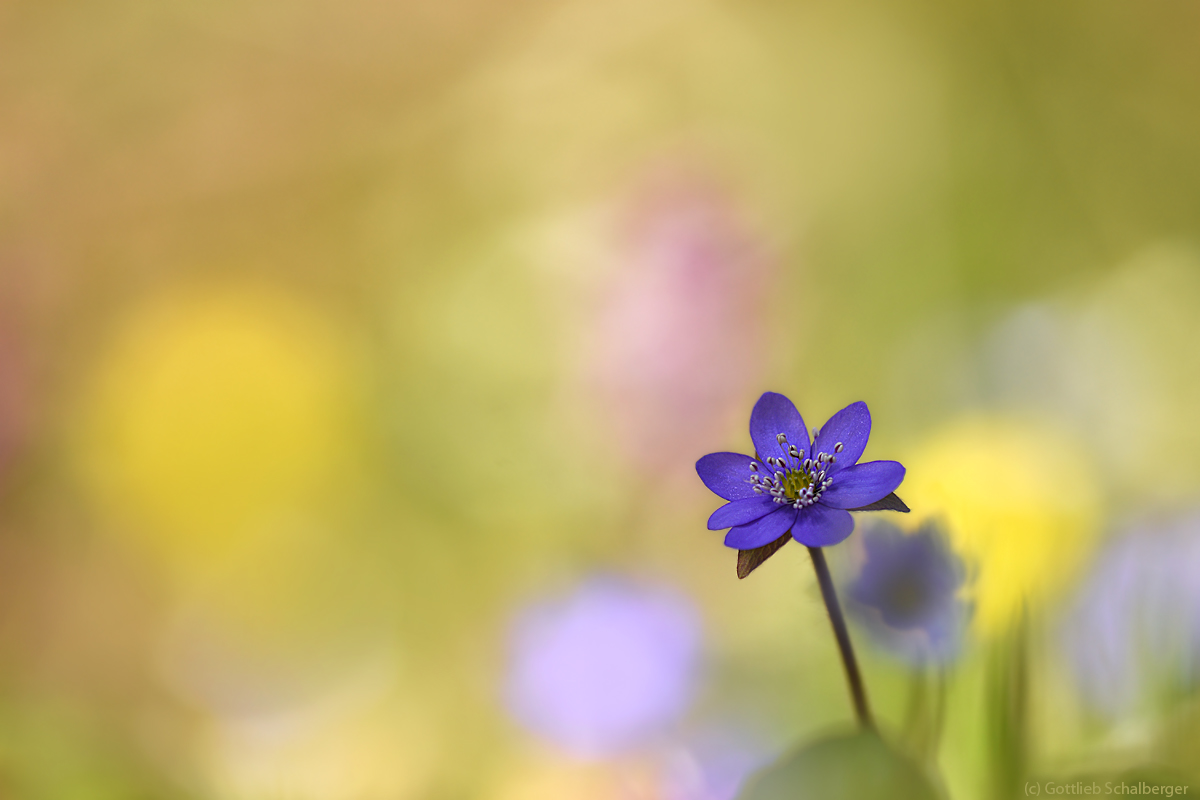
x: 1134, y: 630
x: 605, y: 671
x: 792, y: 485
x: 907, y: 592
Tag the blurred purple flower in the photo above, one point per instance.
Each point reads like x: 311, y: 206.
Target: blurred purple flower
x: 605, y: 671
x: 792, y: 485
x: 1134, y: 629
x: 679, y: 337
x: 906, y: 592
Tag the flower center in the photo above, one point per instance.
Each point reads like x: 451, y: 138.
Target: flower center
x: 795, y: 481
x: 790, y: 479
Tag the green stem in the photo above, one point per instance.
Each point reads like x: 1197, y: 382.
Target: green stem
x: 915, y: 718
x: 926, y: 710
x: 1010, y: 699
x: 858, y: 691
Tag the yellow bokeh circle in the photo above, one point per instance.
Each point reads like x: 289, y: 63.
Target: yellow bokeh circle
x: 213, y: 411
x: 1020, y: 504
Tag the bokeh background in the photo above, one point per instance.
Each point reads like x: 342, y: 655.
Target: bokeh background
x: 355, y: 357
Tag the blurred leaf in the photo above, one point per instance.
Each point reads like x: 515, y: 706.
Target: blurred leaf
x: 857, y: 766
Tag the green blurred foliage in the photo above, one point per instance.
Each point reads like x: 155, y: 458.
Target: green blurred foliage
x: 858, y: 765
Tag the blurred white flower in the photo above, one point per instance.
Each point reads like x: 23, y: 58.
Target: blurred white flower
x: 1114, y: 365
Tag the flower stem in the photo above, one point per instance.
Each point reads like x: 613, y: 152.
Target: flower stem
x: 1010, y: 700
x: 926, y: 710
x: 857, y: 690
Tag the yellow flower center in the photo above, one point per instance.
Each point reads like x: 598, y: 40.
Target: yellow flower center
x: 795, y: 481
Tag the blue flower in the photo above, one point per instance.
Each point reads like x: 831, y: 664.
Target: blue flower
x: 794, y: 486
x: 605, y: 671
x: 1134, y: 630
x: 907, y: 592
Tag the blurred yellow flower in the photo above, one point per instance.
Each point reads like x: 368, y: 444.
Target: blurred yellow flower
x: 1020, y: 504
x: 215, y: 411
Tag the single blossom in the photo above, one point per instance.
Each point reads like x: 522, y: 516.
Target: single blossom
x: 907, y: 592
x: 794, y: 486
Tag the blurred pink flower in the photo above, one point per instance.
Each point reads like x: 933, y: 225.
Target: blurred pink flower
x: 678, y: 341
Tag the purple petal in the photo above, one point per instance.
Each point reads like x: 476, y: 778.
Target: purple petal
x: 851, y: 426
x: 821, y: 526
x: 774, y: 414
x: 740, y: 512
x: 762, y: 531
x: 727, y: 475
x: 863, y: 484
